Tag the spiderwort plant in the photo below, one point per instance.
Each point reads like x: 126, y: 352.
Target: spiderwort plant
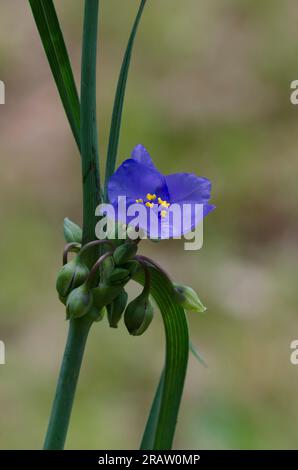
x: 92, y: 284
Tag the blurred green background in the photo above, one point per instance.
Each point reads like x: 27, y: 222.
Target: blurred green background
x: 208, y: 92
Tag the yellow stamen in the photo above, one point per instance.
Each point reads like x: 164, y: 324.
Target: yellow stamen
x: 165, y: 204
x: 151, y: 197
x: 163, y: 213
x: 139, y: 200
x: 149, y: 204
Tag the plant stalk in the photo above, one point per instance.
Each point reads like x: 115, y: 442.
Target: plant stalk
x: 67, y: 382
x: 89, y: 138
x: 79, y: 328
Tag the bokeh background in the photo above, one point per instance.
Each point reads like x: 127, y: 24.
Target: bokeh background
x: 208, y: 92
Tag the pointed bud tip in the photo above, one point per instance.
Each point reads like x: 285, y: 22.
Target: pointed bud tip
x: 124, y: 253
x: 72, y: 231
x: 189, y: 299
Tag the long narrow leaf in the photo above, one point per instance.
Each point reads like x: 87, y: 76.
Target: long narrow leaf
x: 152, y: 421
x: 51, y: 36
x: 197, y: 355
x: 161, y: 425
x: 150, y: 429
x: 119, y: 100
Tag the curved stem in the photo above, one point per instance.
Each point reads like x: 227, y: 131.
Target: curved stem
x: 73, y: 246
x: 96, y: 243
x: 147, y: 280
x: 149, y: 261
x: 95, y: 267
x: 67, y: 382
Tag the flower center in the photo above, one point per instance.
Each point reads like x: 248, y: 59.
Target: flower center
x: 162, y: 204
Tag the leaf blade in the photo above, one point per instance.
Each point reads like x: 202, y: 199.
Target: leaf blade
x: 119, y: 100
x: 193, y: 349
x: 152, y: 421
x: 161, y: 424
x: 53, y: 42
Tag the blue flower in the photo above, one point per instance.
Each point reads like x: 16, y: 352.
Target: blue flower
x: 143, y: 185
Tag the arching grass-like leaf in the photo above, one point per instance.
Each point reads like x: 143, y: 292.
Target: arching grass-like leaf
x: 150, y: 429
x: 161, y: 424
x: 152, y: 421
x: 51, y: 36
x: 119, y: 100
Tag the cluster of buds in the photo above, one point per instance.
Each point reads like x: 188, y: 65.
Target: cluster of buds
x: 100, y: 290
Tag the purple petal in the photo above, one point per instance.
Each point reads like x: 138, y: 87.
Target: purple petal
x: 141, y: 155
x: 190, y: 217
x: 138, y: 215
x: 134, y: 180
x: 187, y: 186
x: 165, y: 228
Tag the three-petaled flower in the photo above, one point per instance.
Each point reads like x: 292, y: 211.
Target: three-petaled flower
x: 143, y: 185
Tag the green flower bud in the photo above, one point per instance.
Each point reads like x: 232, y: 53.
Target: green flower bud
x: 71, y: 275
x: 116, y: 308
x: 138, y: 315
x: 188, y: 298
x: 132, y: 266
x: 105, y: 294
x: 79, y: 302
x: 72, y: 232
x: 97, y: 314
x: 62, y: 299
x: 118, y: 276
x: 124, y: 253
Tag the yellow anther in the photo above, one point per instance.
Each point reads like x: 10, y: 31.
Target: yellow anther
x: 150, y: 204
x: 151, y: 197
x: 139, y: 200
x: 163, y: 213
x: 163, y: 203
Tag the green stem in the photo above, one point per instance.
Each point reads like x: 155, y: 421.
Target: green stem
x: 89, y: 140
x: 67, y: 382
x: 79, y: 328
